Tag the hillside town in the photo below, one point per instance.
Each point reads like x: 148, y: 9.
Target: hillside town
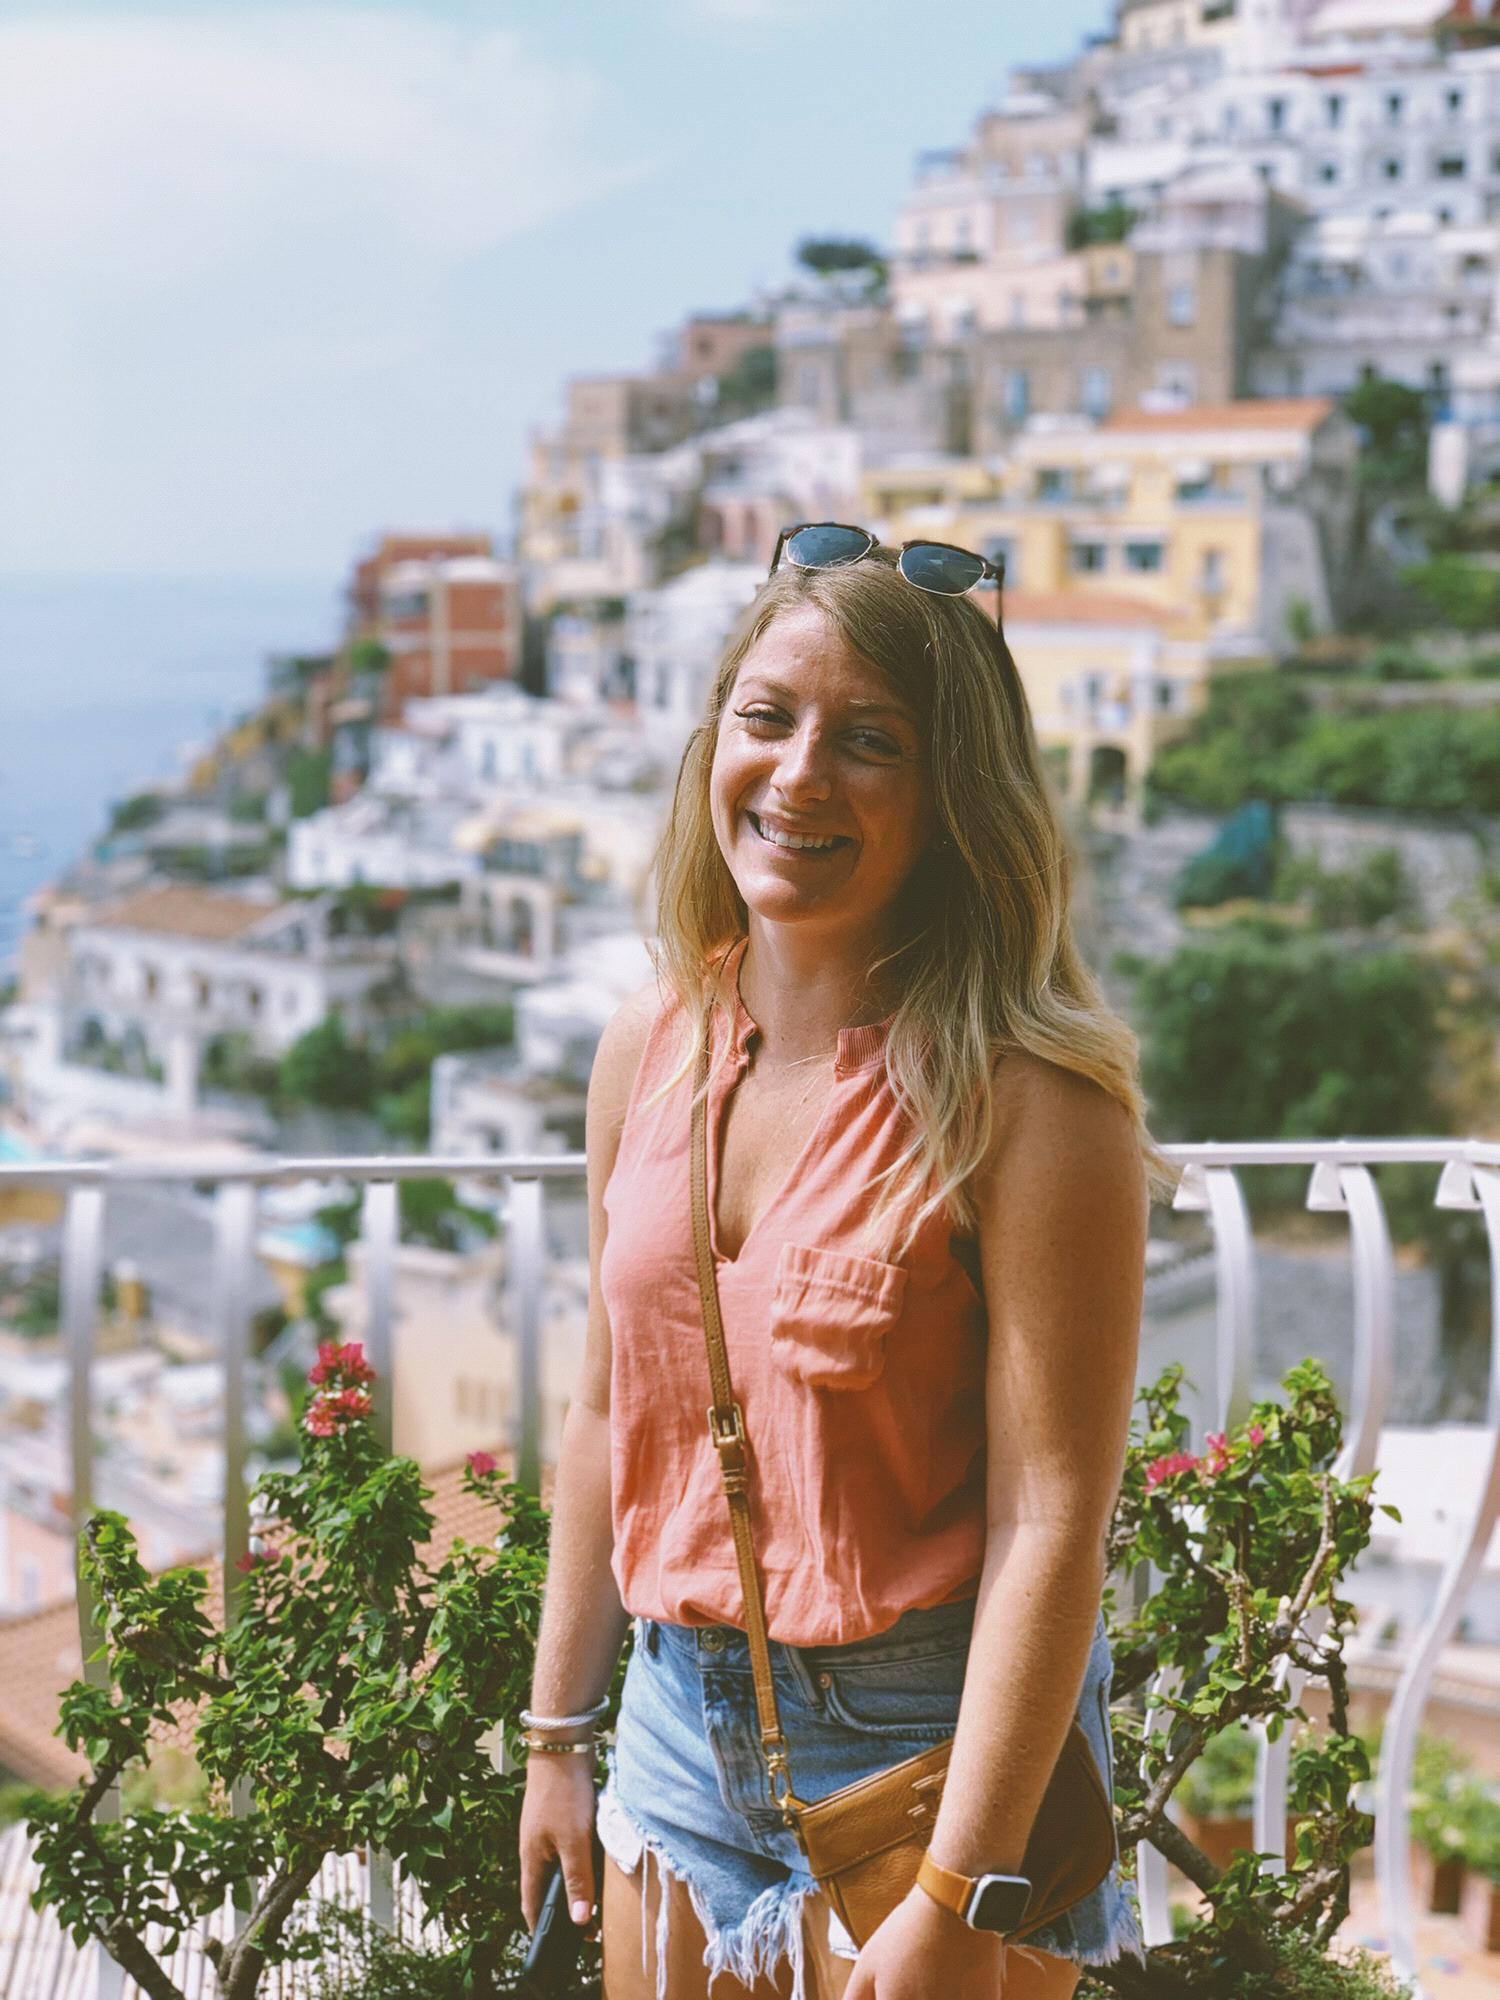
x: 1197, y: 337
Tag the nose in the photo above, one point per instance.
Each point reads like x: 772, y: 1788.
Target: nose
x: 802, y: 767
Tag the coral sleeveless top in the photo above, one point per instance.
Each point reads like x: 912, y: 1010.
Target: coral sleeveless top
x: 861, y: 1382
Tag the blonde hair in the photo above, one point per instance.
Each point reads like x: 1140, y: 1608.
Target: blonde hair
x: 985, y: 960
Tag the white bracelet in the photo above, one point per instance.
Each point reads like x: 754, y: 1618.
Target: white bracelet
x: 530, y: 1721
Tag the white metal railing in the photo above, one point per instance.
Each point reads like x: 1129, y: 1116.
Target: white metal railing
x: 1340, y: 1180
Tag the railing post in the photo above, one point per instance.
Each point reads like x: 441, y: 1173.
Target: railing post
x: 380, y: 1218
x: 524, y: 1217
x: 1462, y: 1185
x: 82, y: 1269
x: 1217, y: 1190
x: 380, y: 1228
x: 234, y: 1249
x: 1351, y: 1189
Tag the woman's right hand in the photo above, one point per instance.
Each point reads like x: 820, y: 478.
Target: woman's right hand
x: 557, y: 1817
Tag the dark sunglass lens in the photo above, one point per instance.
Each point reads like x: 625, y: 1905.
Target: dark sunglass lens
x: 823, y: 545
x: 949, y: 571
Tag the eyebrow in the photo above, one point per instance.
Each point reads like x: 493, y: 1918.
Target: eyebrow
x: 862, y: 707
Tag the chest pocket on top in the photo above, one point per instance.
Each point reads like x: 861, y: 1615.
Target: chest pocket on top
x: 830, y: 1314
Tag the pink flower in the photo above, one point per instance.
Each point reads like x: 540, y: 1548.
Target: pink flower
x: 335, y: 1360
x: 351, y: 1402
x: 253, y: 1558
x: 320, y: 1420
x: 1256, y: 1434
x: 1162, y: 1469
x: 481, y: 1461
x: 1218, y: 1453
x: 247, y: 1562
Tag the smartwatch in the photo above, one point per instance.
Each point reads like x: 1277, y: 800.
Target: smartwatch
x: 985, y: 1902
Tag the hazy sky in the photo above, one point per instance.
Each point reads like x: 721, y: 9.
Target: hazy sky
x: 274, y: 276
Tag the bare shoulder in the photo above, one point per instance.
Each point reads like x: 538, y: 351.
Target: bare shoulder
x: 1056, y: 1120
x: 618, y: 1057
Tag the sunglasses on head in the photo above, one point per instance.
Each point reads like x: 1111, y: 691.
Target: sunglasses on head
x: 939, y: 567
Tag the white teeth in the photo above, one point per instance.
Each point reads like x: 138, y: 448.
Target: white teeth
x: 794, y: 840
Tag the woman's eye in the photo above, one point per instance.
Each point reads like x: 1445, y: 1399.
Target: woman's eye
x: 866, y: 739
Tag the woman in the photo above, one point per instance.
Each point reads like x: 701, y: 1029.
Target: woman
x: 929, y: 1182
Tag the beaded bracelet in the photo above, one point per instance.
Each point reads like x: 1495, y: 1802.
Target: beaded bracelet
x: 550, y: 1749
x: 530, y: 1721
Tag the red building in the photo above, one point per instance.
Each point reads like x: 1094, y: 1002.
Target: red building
x: 444, y: 607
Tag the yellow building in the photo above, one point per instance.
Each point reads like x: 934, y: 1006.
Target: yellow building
x: 1142, y: 557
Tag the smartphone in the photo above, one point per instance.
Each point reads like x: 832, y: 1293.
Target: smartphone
x: 552, y: 1961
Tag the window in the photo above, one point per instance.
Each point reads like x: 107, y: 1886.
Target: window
x: 1018, y: 308
x: 1001, y: 551
x: 1212, y: 572
x: 1276, y: 114
x: 1393, y: 105
x: 1182, y: 305
x: 1054, y: 482
x: 1391, y: 167
x: 1097, y: 391
x: 1145, y: 558
x: 1017, y: 395
x: 1231, y: 117
x: 1087, y: 558
x: 1455, y: 102
x: 1452, y: 167
x: 1166, y: 694
x: 1328, y: 172
x: 1333, y: 109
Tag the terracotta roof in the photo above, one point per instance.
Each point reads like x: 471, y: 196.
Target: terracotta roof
x: 1081, y: 607
x: 180, y: 911
x: 1252, y: 413
x: 40, y: 1654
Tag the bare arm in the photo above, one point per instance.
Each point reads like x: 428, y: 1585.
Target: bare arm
x: 583, y: 1621
x: 1064, y: 1209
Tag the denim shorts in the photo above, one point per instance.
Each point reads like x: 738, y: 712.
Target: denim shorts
x: 687, y: 1783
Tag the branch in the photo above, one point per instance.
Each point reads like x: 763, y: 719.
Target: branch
x: 1290, y: 1616
x: 128, y: 1952
x: 240, y: 1966
x: 1169, y: 1839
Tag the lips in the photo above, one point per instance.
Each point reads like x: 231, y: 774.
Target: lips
x: 836, y: 841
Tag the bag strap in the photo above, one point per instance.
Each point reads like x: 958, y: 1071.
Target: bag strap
x: 726, y: 1427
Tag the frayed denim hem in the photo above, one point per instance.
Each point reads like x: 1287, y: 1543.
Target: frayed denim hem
x: 770, y: 1930
x: 1122, y: 1940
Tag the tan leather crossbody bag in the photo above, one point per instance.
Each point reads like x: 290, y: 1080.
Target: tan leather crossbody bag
x: 864, y: 1842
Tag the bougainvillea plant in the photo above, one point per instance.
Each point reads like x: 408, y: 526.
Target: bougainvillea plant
x: 351, y: 1702
x: 1246, y: 1541
x: 352, y: 1699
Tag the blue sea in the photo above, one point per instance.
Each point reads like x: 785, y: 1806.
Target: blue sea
x: 109, y: 682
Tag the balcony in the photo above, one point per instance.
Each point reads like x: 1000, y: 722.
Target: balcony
x: 36, y: 1962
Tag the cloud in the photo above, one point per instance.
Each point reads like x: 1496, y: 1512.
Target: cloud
x: 138, y: 151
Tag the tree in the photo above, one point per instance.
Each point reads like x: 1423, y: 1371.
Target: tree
x: 308, y: 773
x: 368, y: 656
x: 1111, y: 222
x: 324, y: 1067
x: 1459, y: 592
x: 834, y: 257
x: 1395, y: 421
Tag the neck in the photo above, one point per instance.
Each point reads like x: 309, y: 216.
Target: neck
x: 801, y: 989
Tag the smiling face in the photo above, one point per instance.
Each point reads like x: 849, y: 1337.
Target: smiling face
x: 815, y: 745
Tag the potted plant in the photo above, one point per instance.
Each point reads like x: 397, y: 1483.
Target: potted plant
x: 1479, y: 1818
x: 1217, y: 1798
x: 1438, y: 1809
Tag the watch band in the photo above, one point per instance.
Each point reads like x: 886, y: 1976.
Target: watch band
x: 990, y: 1902
x: 946, y: 1886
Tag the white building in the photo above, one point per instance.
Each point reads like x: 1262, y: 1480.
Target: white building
x: 147, y: 984
x: 676, y: 634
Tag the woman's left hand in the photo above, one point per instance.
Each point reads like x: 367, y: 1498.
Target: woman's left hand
x: 922, y: 1949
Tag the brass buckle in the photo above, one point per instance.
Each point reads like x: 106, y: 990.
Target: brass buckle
x: 781, y: 1786
x: 736, y: 1432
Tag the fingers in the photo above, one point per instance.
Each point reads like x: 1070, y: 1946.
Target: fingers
x: 536, y: 1860
x: 578, y: 1874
